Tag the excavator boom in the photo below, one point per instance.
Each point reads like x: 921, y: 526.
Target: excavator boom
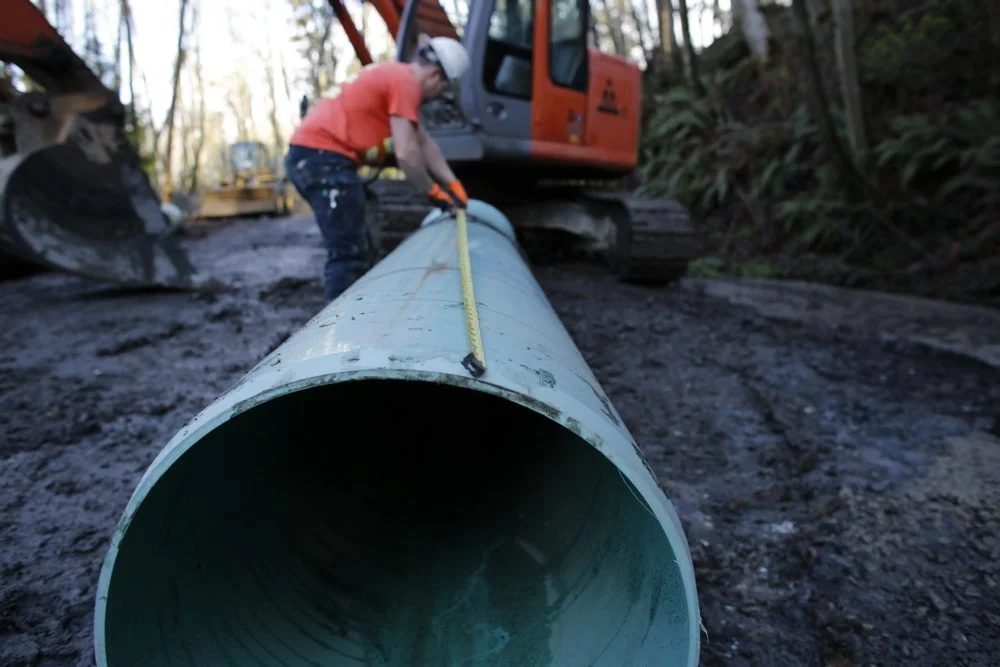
x: 73, y: 195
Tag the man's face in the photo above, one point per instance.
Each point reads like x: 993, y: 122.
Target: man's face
x: 434, y: 83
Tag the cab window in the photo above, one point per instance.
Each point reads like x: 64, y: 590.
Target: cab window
x: 568, y: 43
x: 508, y: 63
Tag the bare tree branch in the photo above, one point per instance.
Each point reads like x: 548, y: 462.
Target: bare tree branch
x: 613, y: 28
x: 314, y: 25
x: 178, y: 64
x: 696, y: 81
x: 847, y: 70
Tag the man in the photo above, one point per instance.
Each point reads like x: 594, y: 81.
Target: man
x: 337, y: 134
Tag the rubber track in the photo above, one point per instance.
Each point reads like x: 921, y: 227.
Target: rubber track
x: 660, y: 241
x: 656, y: 239
x: 395, y: 210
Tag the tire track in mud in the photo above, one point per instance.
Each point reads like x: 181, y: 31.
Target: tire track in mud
x: 792, y: 454
x: 791, y: 462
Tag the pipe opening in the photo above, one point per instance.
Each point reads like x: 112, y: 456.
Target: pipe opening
x: 385, y: 522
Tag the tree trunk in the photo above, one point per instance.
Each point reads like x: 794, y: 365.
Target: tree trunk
x: 320, y: 80
x: 641, y: 27
x: 168, y: 182
x: 186, y: 129
x: 847, y: 71
x: 286, y: 80
x: 240, y: 102
x: 665, y: 26
x: 155, y: 132
x: 200, y: 146
x: 91, y: 43
x: 994, y: 11
x: 696, y: 82
x: 614, y: 28
x: 272, y: 91
x: 815, y: 11
x: 850, y: 176
x: 669, y: 48
x: 313, y: 30
x: 126, y: 12
x: 63, y: 18
x: 747, y: 15
x: 647, y: 27
x: 199, y: 89
x: 118, y: 55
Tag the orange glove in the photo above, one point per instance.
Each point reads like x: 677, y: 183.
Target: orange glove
x: 440, y: 198
x: 457, y: 191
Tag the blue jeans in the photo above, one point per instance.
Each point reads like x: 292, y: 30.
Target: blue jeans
x: 330, y: 183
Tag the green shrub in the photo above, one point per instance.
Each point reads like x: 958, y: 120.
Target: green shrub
x: 909, y: 52
x: 951, y: 156
x: 747, y: 159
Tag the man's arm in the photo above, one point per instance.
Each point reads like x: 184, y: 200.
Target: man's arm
x: 410, y: 153
x: 434, y: 159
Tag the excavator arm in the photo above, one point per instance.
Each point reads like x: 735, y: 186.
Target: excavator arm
x: 73, y: 195
x: 431, y: 19
x: 29, y: 41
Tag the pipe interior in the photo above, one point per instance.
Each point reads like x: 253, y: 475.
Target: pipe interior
x: 394, y: 523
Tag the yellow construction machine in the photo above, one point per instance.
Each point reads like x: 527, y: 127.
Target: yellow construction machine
x: 251, y: 185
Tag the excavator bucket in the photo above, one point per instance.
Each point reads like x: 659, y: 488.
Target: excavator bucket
x: 73, y: 195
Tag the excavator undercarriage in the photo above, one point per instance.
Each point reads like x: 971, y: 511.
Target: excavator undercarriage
x: 640, y: 239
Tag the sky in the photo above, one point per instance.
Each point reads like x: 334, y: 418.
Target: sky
x: 258, y: 23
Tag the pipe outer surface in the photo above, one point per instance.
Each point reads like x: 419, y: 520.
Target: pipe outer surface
x: 404, y: 321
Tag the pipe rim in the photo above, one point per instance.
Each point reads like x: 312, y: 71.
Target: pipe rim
x: 187, y: 438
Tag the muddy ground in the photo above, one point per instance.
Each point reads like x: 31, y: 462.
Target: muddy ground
x: 839, y: 491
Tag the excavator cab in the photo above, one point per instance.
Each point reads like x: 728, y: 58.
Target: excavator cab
x: 537, y: 95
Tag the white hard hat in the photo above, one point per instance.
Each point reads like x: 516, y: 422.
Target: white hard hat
x: 452, y: 57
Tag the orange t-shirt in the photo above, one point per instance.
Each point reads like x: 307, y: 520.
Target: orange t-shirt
x: 358, y: 118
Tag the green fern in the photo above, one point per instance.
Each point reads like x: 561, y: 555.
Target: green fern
x: 957, y: 152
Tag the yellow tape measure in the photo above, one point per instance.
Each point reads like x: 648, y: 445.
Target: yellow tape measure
x: 475, y: 361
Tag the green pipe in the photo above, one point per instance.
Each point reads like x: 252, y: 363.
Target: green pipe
x: 358, y: 498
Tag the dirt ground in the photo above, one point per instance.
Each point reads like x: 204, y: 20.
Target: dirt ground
x: 839, y: 490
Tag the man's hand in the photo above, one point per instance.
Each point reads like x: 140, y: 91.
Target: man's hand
x: 449, y: 199
x: 457, y: 191
x: 440, y: 198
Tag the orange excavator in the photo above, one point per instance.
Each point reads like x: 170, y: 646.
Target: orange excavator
x: 544, y: 127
